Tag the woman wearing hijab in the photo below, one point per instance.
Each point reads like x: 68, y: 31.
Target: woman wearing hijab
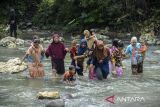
x: 57, y: 51
x: 100, y: 59
x: 91, y: 45
x: 81, y: 54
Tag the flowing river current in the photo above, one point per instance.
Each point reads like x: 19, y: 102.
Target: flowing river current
x: 17, y: 90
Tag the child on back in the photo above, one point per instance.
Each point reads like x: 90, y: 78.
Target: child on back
x: 142, y: 50
x: 133, y: 49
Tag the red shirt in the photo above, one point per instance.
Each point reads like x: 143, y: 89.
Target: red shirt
x: 73, y: 51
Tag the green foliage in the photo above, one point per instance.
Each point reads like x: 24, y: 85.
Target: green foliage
x: 126, y: 15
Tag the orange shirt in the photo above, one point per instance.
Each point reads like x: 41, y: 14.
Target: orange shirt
x: 143, y: 49
x: 68, y: 75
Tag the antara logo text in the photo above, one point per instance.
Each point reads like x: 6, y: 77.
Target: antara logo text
x: 127, y: 99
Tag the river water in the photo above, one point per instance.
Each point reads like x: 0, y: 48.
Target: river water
x: 17, y: 90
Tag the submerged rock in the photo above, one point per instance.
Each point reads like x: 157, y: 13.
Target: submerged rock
x: 12, y: 66
x: 11, y: 42
x: 59, y: 102
x: 67, y: 96
x: 56, y: 103
x: 48, y: 95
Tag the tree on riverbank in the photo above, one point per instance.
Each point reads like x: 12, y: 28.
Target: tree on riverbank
x: 118, y: 15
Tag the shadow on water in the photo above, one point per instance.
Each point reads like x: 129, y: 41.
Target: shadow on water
x: 17, y: 90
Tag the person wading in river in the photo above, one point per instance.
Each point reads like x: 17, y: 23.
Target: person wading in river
x: 81, y: 55
x: 57, y: 51
x: 116, y: 57
x: 91, y: 39
x: 73, y: 52
x: 101, y: 56
x: 34, y: 55
x: 136, y: 61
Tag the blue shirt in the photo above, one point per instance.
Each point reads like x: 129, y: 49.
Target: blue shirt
x: 130, y: 48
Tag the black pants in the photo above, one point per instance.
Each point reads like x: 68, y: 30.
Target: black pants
x: 137, y: 68
x: 58, y: 64
x: 80, y: 70
x: 13, y: 30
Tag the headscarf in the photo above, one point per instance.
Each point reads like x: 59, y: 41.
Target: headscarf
x: 100, y: 54
x: 115, y: 43
x: 55, y: 34
x: 81, y: 49
x: 35, y: 39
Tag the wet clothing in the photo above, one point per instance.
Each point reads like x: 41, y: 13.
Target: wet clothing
x: 81, y: 51
x: 34, y: 57
x: 68, y: 76
x: 79, y: 70
x: 137, y: 68
x: 142, y: 51
x: 101, y: 54
x: 90, y: 49
x: 130, y: 48
x: 136, y: 58
x: 73, y: 53
x: 116, y: 56
x: 104, y: 66
x: 116, y: 61
x: 57, y: 53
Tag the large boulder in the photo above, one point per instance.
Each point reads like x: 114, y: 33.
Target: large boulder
x: 12, y: 66
x: 19, y: 42
x: 11, y: 42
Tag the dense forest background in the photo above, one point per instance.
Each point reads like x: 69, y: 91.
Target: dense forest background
x: 73, y: 15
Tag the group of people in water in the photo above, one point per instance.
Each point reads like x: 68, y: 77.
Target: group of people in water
x: 100, y: 58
